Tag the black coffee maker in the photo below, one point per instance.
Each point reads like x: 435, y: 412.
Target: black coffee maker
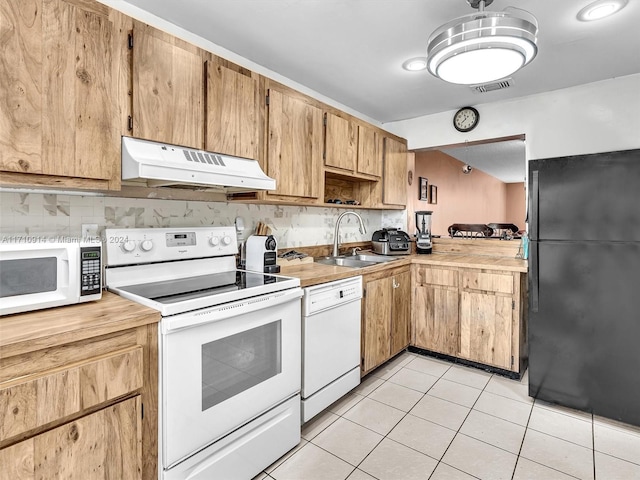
x: 423, y: 236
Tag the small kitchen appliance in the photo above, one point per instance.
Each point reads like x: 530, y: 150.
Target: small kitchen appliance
x: 423, y: 235
x: 390, y: 241
x: 261, y: 254
x: 47, y: 271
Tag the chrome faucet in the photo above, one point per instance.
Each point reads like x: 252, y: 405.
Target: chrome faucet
x: 335, y: 235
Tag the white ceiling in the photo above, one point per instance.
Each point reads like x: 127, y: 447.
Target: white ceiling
x: 352, y: 50
x: 504, y: 160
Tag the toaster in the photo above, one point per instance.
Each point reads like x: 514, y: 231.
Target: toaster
x: 390, y: 241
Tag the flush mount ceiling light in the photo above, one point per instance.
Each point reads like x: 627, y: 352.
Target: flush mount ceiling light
x: 600, y: 9
x: 484, y: 46
x: 415, y: 64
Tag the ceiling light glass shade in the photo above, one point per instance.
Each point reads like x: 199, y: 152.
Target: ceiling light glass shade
x: 482, y: 47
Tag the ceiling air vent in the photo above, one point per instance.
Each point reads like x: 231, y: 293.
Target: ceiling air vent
x: 490, y: 87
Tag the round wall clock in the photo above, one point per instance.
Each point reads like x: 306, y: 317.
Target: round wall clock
x: 466, y: 119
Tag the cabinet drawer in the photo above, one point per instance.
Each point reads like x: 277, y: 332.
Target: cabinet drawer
x: 31, y: 402
x: 488, y: 282
x: 436, y: 276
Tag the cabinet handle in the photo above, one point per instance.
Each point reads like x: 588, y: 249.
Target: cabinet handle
x: 395, y: 285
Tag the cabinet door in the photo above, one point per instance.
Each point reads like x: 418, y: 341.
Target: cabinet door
x: 435, y: 309
x: 485, y: 328
x: 294, y: 150
x: 232, y: 112
x: 59, y: 108
x: 104, y: 445
x: 394, y: 190
x: 487, y: 308
x: 400, y: 311
x: 437, y: 326
x: 376, y: 325
x: 369, y: 151
x: 168, y: 89
x: 341, y: 143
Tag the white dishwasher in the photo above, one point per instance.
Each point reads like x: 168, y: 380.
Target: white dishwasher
x: 330, y: 343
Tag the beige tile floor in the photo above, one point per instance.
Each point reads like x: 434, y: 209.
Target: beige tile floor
x: 421, y: 418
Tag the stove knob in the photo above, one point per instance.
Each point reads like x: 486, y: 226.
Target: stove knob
x: 128, y: 246
x: 146, y: 245
x: 226, y: 240
x: 214, y: 241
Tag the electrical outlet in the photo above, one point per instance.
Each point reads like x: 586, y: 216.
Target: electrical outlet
x: 89, y: 230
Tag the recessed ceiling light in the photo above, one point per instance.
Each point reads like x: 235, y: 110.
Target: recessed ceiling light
x: 415, y: 64
x: 600, y: 9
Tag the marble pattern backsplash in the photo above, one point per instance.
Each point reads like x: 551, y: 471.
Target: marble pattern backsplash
x: 293, y: 226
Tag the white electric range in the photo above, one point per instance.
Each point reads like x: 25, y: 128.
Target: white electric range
x: 229, y: 349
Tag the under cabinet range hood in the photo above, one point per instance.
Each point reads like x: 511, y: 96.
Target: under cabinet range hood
x: 165, y: 165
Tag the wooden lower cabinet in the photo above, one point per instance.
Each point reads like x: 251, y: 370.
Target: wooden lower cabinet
x: 106, y: 444
x: 386, y: 316
x: 473, y: 314
x: 435, y: 309
x: 76, y: 410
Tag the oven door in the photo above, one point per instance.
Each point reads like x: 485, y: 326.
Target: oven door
x: 225, y: 366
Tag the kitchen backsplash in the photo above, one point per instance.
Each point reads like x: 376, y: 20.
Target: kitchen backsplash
x: 58, y: 214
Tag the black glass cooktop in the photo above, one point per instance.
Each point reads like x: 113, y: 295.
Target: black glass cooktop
x: 182, y: 289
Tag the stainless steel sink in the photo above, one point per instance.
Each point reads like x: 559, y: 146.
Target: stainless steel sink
x: 373, y: 257
x: 355, y: 261
x: 344, y: 262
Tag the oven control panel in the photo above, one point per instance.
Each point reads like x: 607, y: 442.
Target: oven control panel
x: 126, y: 246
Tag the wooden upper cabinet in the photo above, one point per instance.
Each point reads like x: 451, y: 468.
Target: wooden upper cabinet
x: 354, y: 148
x: 369, y: 151
x: 60, y: 73
x: 294, y: 146
x: 341, y: 143
x: 168, y: 88
x: 394, y: 190
x: 232, y: 112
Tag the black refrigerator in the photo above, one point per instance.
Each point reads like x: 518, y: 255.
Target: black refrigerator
x: 584, y: 283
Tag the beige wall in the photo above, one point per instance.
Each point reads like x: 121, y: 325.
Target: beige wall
x: 516, y: 204
x: 473, y: 198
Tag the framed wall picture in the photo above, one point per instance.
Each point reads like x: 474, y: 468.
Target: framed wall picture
x: 424, y: 189
x: 433, y: 194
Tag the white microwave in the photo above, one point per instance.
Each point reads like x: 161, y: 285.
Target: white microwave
x: 43, y: 272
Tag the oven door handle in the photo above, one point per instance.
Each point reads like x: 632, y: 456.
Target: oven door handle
x: 228, y: 310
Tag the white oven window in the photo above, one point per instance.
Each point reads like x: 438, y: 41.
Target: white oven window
x: 238, y: 362
x: 26, y: 276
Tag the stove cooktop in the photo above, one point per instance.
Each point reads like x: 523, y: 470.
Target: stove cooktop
x: 179, y: 290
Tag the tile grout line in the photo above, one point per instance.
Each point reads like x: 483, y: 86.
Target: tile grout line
x: 460, y: 427
x: 526, y: 427
x: 342, y: 416
x: 593, y: 444
x: 403, y: 417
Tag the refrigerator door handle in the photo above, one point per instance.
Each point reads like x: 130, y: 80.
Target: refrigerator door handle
x: 534, y: 277
x: 534, y: 206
